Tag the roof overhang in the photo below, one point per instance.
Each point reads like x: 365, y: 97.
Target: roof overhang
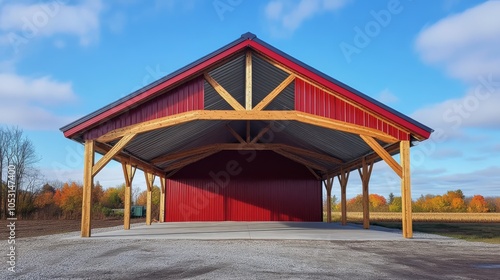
x: 234, y: 97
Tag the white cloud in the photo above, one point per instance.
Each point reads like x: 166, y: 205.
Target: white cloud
x: 465, y: 44
x: 26, y: 101
x: 477, y: 109
x: 21, y: 22
x: 387, y: 97
x: 289, y: 15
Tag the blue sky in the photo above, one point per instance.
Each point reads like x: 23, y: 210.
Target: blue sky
x: 436, y: 61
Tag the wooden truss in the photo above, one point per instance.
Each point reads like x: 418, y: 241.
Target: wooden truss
x: 311, y: 159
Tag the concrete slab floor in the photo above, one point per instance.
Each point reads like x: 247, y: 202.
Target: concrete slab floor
x: 253, y: 231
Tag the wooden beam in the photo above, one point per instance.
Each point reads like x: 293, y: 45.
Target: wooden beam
x: 190, y: 160
x: 248, y: 116
x: 243, y: 146
x: 184, y: 153
x: 312, y: 154
x: 150, y: 178
x: 300, y: 160
x: 120, y: 157
x: 329, y: 185
x: 406, y: 190
x: 343, y: 178
x: 248, y: 81
x: 261, y: 133
x: 275, y: 92
x: 314, y: 173
x: 248, y: 131
x: 162, y: 199
x: 344, y: 126
x: 128, y: 173
x: 382, y: 153
x: 88, y: 181
x: 172, y: 173
x: 118, y: 147
x: 357, y: 163
x: 365, y: 172
x: 235, y: 134
x: 223, y: 93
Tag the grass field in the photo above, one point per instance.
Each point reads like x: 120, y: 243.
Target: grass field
x: 423, y: 217
x: 481, y: 227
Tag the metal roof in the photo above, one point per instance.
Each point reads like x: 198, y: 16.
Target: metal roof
x: 230, y: 74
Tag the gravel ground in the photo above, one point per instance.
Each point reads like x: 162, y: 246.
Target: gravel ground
x: 427, y: 257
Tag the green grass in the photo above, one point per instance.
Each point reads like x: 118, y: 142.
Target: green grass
x: 480, y: 232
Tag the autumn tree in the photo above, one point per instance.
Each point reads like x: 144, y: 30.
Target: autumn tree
x: 377, y: 202
x: 69, y: 199
x: 155, y: 200
x: 478, y: 204
x: 44, y: 203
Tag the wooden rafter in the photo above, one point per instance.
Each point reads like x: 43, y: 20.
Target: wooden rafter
x: 223, y: 93
x: 312, y: 154
x: 344, y: 126
x: 248, y: 131
x: 261, y: 133
x: 235, y: 134
x: 383, y: 154
x: 118, y: 147
x: 300, y: 160
x: 183, y: 154
x: 314, y: 173
x: 246, y: 115
x: 171, y: 173
x: 248, y: 80
x: 243, y: 146
x: 349, y: 166
x: 190, y: 160
x: 104, y: 148
x: 275, y: 92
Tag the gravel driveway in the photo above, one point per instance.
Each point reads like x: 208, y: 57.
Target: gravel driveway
x: 57, y: 257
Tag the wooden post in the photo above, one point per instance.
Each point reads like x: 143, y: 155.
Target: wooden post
x: 329, y: 185
x: 406, y: 190
x: 162, y: 199
x: 128, y: 172
x: 150, y: 178
x: 343, y: 178
x: 365, y: 172
x: 88, y: 181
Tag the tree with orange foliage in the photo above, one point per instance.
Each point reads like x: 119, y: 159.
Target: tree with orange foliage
x: 377, y: 202
x: 478, y: 204
x: 69, y: 199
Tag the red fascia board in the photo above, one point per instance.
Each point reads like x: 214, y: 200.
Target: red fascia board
x: 354, y: 97
x: 186, y: 74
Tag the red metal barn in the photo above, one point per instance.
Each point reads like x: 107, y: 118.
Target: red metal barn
x: 246, y: 133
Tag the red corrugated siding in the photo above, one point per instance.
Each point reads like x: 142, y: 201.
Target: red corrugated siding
x: 188, y: 97
x: 267, y: 188
x: 313, y: 100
